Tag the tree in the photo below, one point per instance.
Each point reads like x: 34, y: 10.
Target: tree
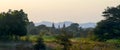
x: 13, y: 23
x: 109, y: 28
x: 40, y: 44
x: 64, y: 39
x: 30, y: 28
x: 73, y: 29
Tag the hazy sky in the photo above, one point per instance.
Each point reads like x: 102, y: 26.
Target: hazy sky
x: 81, y: 11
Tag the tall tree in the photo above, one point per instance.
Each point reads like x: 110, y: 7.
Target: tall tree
x: 109, y: 28
x: 13, y: 23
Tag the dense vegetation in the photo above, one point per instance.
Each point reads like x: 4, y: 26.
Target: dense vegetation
x: 13, y: 24
x: 15, y: 29
x: 109, y: 28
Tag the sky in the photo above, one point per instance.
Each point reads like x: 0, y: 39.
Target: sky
x: 79, y: 11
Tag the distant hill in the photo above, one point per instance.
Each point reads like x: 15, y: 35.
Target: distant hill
x: 67, y: 23
x: 87, y: 25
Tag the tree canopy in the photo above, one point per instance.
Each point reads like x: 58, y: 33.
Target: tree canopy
x: 13, y: 23
x: 109, y: 28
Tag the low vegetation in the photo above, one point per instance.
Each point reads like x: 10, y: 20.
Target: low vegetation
x: 17, y: 33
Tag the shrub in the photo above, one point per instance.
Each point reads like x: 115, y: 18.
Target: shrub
x: 114, y: 41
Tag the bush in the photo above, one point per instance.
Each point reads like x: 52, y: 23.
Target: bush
x: 114, y: 41
x: 40, y: 44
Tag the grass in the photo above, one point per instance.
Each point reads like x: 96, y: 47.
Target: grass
x: 49, y: 38
x: 78, y: 43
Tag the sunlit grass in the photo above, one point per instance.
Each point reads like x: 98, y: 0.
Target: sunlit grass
x: 77, y: 43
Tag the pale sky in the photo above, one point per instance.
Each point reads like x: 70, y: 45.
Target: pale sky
x: 80, y: 11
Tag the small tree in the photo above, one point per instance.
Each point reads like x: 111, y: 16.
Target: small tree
x: 63, y: 39
x: 40, y: 44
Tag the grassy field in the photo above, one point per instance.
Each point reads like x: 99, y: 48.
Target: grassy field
x: 77, y: 44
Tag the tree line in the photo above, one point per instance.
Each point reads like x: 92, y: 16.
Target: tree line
x: 14, y: 24
x: 73, y: 30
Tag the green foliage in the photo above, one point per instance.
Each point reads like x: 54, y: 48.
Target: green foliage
x: 39, y: 44
x: 109, y: 28
x: 64, y: 40
x: 114, y: 41
x: 85, y: 44
x: 73, y: 30
x: 49, y: 38
x: 13, y: 23
x: 78, y: 43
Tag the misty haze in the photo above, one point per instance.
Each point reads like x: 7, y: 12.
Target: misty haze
x: 59, y: 25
